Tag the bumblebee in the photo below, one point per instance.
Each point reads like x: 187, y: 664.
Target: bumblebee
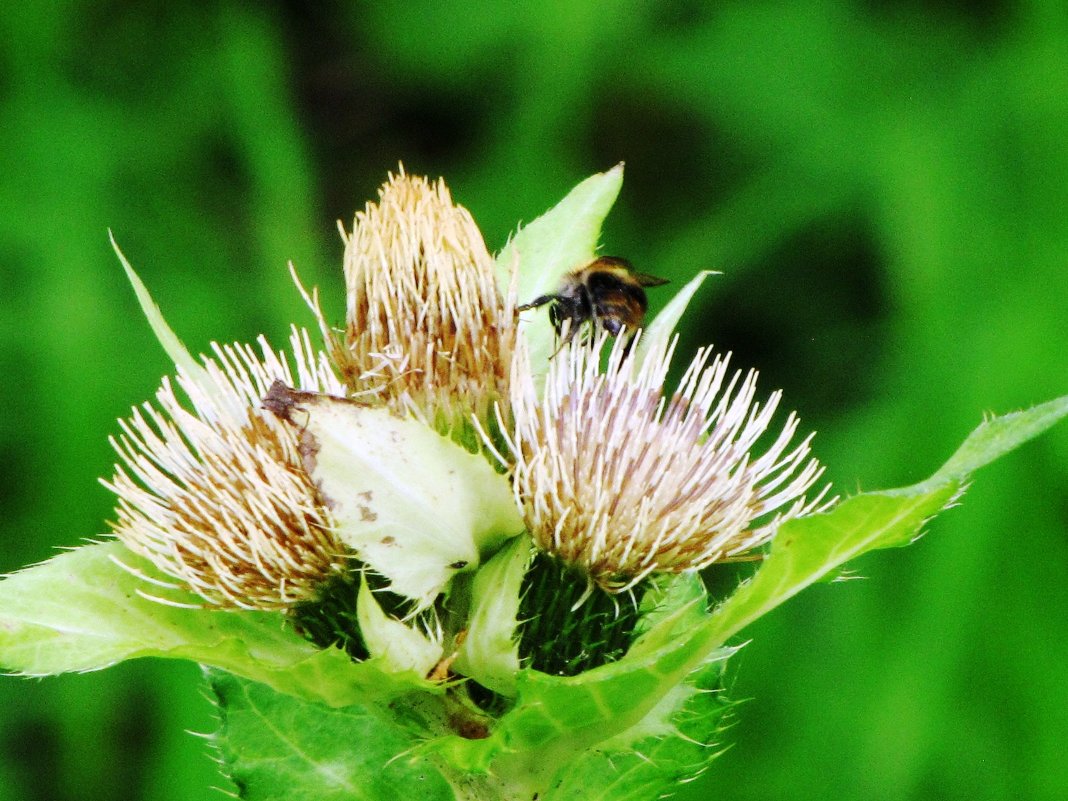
x: 607, y: 292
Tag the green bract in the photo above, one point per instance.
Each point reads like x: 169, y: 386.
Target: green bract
x: 434, y: 697
x: 490, y: 651
x: 399, y: 647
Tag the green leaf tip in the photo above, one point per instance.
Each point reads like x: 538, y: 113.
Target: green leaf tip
x: 657, y: 336
x: 562, y: 238
x: 999, y: 435
x: 170, y: 342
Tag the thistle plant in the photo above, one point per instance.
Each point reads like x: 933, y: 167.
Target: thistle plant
x: 434, y: 553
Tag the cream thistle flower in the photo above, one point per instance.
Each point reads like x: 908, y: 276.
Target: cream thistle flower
x: 622, y: 481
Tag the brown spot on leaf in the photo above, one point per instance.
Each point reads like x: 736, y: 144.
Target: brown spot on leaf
x: 468, y: 728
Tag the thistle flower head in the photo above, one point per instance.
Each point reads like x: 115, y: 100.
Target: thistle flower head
x: 427, y: 329
x: 213, y: 491
x: 620, y: 479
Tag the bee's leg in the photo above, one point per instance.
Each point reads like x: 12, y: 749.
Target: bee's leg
x: 567, y: 329
x: 538, y: 301
x: 556, y: 318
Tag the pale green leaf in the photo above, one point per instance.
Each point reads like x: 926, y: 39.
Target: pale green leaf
x: 414, y: 505
x: 81, y: 611
x: 489, y: 653
x: 559, y: 241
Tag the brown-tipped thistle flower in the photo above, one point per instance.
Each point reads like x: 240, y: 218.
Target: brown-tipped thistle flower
x: 622, y: 480
x: 428, y: 331
x: 215, y: 494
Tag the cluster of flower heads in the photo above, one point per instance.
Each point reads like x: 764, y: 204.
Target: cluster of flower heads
x: 609, y: 472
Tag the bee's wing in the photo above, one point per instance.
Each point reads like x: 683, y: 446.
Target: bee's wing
x: 644, y: 279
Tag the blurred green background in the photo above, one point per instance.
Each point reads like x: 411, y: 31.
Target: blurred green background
x: 884, y: 186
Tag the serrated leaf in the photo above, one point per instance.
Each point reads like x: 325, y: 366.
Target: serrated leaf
x: 652, y: 766
x: 81, y: 611
x: 581, y: 711
x: 559, y: 241
x: 414, y: 505
x: 809, y: 548
x: 806, y: 549
x: 274, y: 746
